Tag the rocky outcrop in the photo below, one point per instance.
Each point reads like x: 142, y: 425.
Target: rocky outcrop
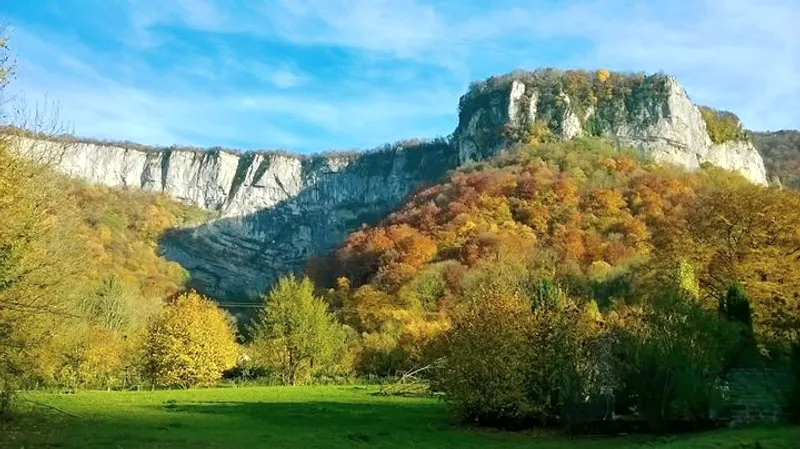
x: 323, y: 200
x: 653, y: 113
x: 274, y: 210
x: 239, y: 184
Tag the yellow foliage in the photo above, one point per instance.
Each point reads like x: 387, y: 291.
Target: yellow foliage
x: 191, y: 343
x: 722, y: 126
x: 93, y: 358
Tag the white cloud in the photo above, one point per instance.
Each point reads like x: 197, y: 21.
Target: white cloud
x: 286, y: 78
x: 405, y: 63
x: 96, y: 104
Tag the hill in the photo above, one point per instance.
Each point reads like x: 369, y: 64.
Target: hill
x: 781, y: 153
x: 599, y: 224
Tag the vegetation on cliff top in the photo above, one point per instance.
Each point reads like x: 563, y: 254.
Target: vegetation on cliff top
x: 601, y: 100
x: 723, y: 126
x: 405, y: 144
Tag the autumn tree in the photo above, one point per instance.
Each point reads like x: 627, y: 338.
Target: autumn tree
x: 487, y: 357
x: 722, y: 126
x: 89, y: 356
x: 190, y: 343
x: 40, y: 264
x: 6, y: 64
x: 747, y: 234
x: 295, y: 333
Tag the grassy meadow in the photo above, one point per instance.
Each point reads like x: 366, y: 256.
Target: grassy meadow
x: 303, y: 417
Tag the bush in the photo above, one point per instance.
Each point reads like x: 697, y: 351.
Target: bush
x: 191, y: 343
x: 484, y: 375
x: 248, y: 371
x: 518, y: 354
x: 668, y: 357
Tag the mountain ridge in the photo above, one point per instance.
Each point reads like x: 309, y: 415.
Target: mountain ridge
x: 277, y: 210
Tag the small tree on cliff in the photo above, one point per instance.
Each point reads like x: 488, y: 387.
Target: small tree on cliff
x: 295, y: 333
x: 191, y: 343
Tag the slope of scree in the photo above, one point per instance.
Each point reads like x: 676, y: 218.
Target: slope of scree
x: 275, y: 210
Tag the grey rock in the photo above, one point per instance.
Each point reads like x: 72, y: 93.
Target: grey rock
x: 670, y: 129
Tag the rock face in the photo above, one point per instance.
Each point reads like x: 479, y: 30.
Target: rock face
x: 651, y: 113
x: 274, y: 211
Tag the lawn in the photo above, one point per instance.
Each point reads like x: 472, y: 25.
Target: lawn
x: 304, y: 417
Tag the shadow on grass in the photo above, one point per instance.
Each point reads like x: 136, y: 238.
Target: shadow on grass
x: 252, y: 424
x: 390, y: 424
x: 318, y: 414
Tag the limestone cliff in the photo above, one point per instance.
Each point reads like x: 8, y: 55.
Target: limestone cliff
x: 275, y: 210
x: 653, y: 113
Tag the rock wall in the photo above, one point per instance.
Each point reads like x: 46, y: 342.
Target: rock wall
x: 755, y: 396
x: 275, y: 210
x: 654, y: 114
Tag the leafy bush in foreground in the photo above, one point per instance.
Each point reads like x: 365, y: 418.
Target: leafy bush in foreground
x: 668, y: 356
x: 191, y: 343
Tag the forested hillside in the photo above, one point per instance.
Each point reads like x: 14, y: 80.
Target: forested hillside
x: 781, y: 153
x: 556, y: 259
x: 80, y: 274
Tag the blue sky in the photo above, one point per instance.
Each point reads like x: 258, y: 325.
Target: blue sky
x: 308, y: 75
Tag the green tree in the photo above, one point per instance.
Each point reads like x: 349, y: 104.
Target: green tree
x: 487, y: 356
x: 295, y: 332
x: 735, y: 306
x: 669, y: 356
x: 191, y: 343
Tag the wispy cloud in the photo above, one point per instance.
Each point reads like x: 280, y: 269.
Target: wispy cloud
x: 315, y: 74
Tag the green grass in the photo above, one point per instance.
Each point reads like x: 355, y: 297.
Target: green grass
x: 303, y: 417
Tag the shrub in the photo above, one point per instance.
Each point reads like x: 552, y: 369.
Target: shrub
x: 484, y: 376
x: 247, y: 371
x: 191, y: 343
x: 519, y: 351
x: 669, y: 356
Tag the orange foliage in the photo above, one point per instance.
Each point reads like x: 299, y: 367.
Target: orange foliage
x: 578, y: 210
